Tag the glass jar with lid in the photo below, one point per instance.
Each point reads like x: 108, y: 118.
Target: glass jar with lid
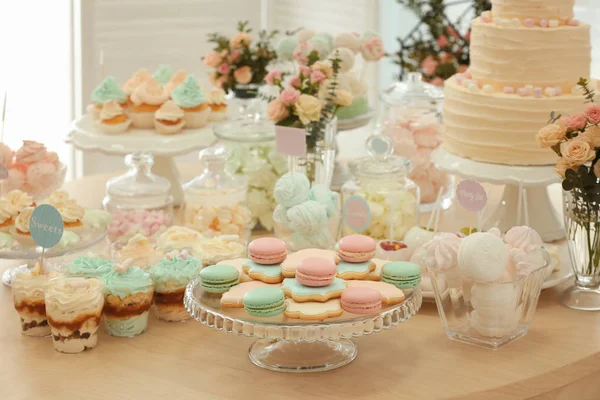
x: 216, y: 201
x: 139, y: 201
x: 251, y: 147
x: 412, y: 117
x: 381, y: 201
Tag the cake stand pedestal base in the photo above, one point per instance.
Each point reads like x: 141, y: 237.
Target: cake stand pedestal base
x: 543, y: 217
x: 289, y: 356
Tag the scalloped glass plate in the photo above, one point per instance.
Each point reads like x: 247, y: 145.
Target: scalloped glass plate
x: 294, y: 345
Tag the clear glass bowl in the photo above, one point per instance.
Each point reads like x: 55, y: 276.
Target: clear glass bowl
x: 294, y: 345
x: 39, y: 194
x: 488, y: 315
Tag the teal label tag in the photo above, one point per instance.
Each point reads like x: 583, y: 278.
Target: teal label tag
x: 46, y: 226
x: 357, y: 214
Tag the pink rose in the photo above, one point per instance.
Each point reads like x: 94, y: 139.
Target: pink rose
x: 317, y: 77
x: 577, y: 151
x: 277, y: 111
x: 304, y: 70
x: 437, y: 81
x: 295, y: 81
x: 273, y: 77
x: 593, y: 113
x: 212, y: 59
x: 452, y: 32
x: 562, y: 166
x: 233, y: 57
x: 224, y: 69
x: 243, y: 75
x: 592, y: 135
x: 576, y: 122
x: 289, y: 96
x: 429, y: 65
x: 443, y: 41
x: 240, y: 40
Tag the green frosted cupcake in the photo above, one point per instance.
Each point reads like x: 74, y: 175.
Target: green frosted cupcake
x: 90, y: 266
x: 171, y: 276
x: 109, y: 89
x: 129, y: 292
x: 163, y: 74
x: 193, y: 102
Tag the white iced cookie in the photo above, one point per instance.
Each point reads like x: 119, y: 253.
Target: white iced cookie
x: 483, y: 257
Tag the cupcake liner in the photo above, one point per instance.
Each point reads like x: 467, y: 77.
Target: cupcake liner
x: 196, y: 119
x: 112, y: 129
x: 141, y: 120
x: 168, y: 129
x: 218, y: 115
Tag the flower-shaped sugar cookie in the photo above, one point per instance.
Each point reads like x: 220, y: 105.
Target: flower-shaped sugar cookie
x: 233, y: 298
x: 360, y: 270
x: 288, y: 267
x: 390, y: 294
x: 313, y: 311
x: 265, y: 273
x: 301, y: 294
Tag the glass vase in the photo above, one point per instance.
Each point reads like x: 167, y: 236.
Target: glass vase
x: 247, y: 101
x: 582, y: 223
x: 319, y: 163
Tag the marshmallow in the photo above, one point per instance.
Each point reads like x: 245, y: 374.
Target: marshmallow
x: 529, y: 23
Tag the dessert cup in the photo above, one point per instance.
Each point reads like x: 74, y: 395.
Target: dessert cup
x: 74, y: 308
x: 28, y: 295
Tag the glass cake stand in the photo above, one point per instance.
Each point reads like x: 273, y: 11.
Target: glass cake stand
x: 88, y: 238
x: 294, y: 345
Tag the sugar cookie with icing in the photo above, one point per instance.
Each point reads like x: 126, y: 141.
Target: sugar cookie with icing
x: 265, y: 273
x: 301, y: 294
x: 313, y: 311
x: 237, y: 263
x: 390, y: 294
x: 234, y: 296
x: 358, y: 270
x: 288, y: 267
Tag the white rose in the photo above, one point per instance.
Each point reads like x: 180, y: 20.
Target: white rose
x: 308, y: 108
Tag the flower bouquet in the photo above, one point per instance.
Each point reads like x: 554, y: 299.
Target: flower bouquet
x: 576, y: 141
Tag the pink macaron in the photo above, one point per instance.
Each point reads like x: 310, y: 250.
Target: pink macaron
x: 316, y: 271
x: 356, y: 248
x: 361, y: 300
x: 267, y: 251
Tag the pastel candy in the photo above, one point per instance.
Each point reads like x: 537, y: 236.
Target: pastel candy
x: 529, y: 23
x: 537, y: 92
x: 308, y: 217
x: 291, y: 189
x: 509, y: 89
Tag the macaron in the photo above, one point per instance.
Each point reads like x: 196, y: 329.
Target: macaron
x: 402, y: 274
x: 265, y: 301
x: 267, y: 251
x: 316, y: 271
x: 361, y: 300
x: 356, y: 248
x: 219, y: 278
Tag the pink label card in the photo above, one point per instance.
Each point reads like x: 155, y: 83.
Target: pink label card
x: 357, y: 214
x: 290, y: 141
x: 471, y: 195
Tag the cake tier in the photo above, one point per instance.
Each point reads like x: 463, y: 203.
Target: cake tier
x: 519, y: 56
x: 537, y: 9
x: 500, y: 128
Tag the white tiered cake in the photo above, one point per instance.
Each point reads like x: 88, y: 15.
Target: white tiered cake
x: 526, y: 59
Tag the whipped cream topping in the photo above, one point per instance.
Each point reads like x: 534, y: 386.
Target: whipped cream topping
x: 136, y: 80
x: 68, y: 208
x: 31, y: 152
x: 220, y: 248
x: 19, y: 199
x: 71, y: 296
x: 140, y: 251
x: 149, y: 92
x: 176, y: 80
x: 179, y: 237
x: 110, y: 110
x: 216, y: 96
x: 441, y: 252
x: 169, y: 112
x: 7, y: 210
x: 57, y: 198
x: 22, y: 221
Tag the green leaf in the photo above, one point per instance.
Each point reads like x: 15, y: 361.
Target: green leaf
x: 567, y: 185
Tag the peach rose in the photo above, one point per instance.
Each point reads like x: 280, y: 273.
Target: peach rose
x: 550, y: 135
x: 325, y: 67
x: 592, y: 135
x: 343, y: 98
x: 239, y: 40
x: 212, y: 59
x: 233, y: 57
x: 576, y: 122
x: 308, y: 108
x: 443, y: 41
x: 243, y: 75
x: 561, y: 167
x: 277, y: 111
x: 593, y: 113
x: 577, y: 152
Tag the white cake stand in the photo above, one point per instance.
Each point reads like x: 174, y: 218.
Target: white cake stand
x: 86, y: 136
x: 543, y: 217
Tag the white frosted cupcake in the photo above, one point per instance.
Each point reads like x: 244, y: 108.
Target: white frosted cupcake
x: 168, y: 119
x: 112, y: 118
x: 193, y: 102
x: 21, y: 231
x: 71, y: 212
x: 146, y: 100
x: 218, y: 105
x: 135, y: 81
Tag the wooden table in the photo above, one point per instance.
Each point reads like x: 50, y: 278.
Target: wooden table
x: 558, y: 359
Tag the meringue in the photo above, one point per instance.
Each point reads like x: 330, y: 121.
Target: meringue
x: 441, y: 252
x: 483, y: 257
x: 523, y: 237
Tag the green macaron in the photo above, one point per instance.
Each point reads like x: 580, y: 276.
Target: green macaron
x: 219, y: 278
x: 402, y: 274
x: 265, y: 301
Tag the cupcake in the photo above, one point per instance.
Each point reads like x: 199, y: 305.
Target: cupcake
x: 163, y: 74
x: 108, y: 90
x: 140, y: 251
x: 136, y: 80
x: 28, y: 295
x: 218, y: 105
x: 129, y: 292
x: 19, y: 199
x: 179, y: 238
x: 190, y: 98
x: 71, y: 212
x: 8, y: 213
x: 176, y: 80
x: 90, y: 265
x: 146, y: 99
x: 112, y: 118
x: 171, y: 276
x: 21, y: 229
x: 168, y: 119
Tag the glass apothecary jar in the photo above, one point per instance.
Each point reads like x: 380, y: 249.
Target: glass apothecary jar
x: 412, y: 118
x: 216, y: 201
x: 251, y: 147
x: 139, y: 201
x: 381, y: 201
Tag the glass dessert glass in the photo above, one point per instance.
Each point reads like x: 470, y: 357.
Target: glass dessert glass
x: 484, y: 314
x: 28, y: 296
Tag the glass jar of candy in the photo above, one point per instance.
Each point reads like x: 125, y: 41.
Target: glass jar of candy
x: 139, y: 201
x: 412, y: 118
x: 381, y: 201
x: 216, y: 201
x: 251, y: 145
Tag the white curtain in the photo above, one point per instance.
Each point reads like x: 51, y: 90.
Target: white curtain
x: 589, y: 11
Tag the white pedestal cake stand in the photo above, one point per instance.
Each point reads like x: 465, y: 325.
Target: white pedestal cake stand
x: 294, y: 345
x: 86, y: 136
x: 543, y: 217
